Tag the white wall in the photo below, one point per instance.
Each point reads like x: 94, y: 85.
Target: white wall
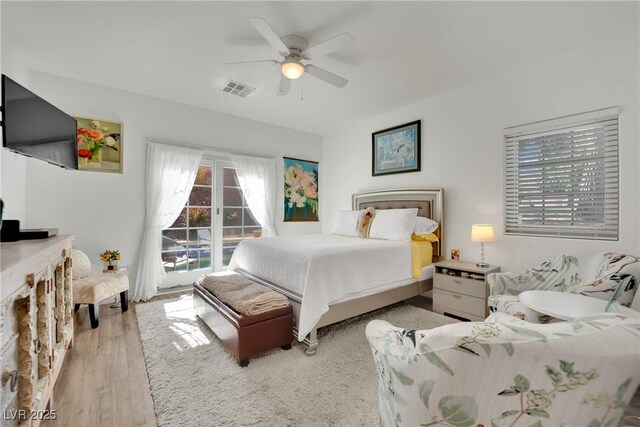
x: 106, y: 210
x: 462, y: 148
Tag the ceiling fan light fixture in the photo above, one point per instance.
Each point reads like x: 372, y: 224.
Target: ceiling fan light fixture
x: 292, y: 69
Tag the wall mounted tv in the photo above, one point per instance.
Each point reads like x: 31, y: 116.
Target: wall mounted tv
x: 33, y: 127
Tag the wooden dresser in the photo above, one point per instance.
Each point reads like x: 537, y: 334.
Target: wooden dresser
x: 36, y: 325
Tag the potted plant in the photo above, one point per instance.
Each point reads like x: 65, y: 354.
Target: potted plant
x: 110, y: 258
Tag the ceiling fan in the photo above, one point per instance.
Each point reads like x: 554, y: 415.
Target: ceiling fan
x: 294, y: 50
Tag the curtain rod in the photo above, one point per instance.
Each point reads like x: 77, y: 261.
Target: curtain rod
x: 206, y: 149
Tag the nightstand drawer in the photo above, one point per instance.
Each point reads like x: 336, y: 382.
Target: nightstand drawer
x: 457, y: 284
x: 458, y: 301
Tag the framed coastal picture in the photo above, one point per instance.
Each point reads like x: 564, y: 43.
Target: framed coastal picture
x: 396, y: 149
x: 99, y: 145
x: 300, y: 190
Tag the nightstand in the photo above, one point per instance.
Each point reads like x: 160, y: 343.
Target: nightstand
x: 460, y: 289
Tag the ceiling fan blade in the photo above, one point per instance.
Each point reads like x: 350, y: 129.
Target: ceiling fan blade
x: 267, y: 32
x: 272, y: 61
x: 334, y: 44
x: 285, y: 84
x: 326, y: 76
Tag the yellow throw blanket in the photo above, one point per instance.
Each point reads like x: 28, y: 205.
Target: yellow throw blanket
x: 243, y: 295
x: 421, y: 256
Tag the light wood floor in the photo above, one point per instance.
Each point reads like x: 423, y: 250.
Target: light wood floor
x: 104, y: 380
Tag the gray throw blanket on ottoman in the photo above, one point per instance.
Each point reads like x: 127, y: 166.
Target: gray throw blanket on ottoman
x: 243, y: 295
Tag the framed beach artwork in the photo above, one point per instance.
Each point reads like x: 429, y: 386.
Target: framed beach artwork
x: 99, y: 145
x: 300, y: 190
x: 396, y: 149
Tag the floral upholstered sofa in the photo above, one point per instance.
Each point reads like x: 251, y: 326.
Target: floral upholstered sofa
x: 507, y: 372
x: 596, y: 276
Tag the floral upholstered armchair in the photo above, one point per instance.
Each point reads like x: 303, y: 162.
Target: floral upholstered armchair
x: 507, y: 372
x: 564, y: 273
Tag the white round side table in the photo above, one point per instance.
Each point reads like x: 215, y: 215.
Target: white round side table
x: 569, y: 306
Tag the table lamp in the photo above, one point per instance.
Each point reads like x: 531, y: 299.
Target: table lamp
x: 482, y: 233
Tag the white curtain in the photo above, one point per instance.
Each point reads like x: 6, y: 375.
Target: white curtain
x: 171, y: 172
x: 257, y: 178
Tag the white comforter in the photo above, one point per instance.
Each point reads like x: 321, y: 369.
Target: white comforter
x: 323, y: 268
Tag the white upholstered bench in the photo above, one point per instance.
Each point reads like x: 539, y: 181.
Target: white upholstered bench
x: 92, y: 288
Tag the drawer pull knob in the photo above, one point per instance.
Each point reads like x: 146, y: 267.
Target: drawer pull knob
x: 10, y: 377
x: 457, y: 296
x: 38, y: 345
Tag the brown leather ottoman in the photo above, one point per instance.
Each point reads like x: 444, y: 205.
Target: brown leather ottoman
x: 245, y: 336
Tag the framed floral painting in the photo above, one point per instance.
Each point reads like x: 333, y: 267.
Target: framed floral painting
x: 99, y: 145
x: 300, y: 190
x: 396, y: 149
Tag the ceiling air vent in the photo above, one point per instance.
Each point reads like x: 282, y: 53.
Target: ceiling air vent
x: 240, y: 89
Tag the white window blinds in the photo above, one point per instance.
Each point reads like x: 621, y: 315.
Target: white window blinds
x: 561, y: 177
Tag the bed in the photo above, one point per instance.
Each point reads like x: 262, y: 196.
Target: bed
x: 329, y: 278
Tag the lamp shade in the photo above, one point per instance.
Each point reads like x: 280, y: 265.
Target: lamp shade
x: 482, y: 233
x: 292, y: 69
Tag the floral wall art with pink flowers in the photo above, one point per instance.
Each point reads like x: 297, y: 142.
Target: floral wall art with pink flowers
x: 99, y: 145
x: 300, y: 190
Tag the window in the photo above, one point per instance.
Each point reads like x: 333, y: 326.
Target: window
x: 238, y: 222
x: 215, y: 219
x: 561, y: 177
x: 187, y: 244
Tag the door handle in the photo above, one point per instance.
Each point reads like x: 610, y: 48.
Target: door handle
x: 38, y: 345
x: 10, y: 377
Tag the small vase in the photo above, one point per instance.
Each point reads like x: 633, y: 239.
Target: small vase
x: 111, y: 267
x: 96, y: 155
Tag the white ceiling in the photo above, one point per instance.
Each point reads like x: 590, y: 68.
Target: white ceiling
x: 404, y: 51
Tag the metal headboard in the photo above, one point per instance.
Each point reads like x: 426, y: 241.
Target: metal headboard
x: 429, y: 202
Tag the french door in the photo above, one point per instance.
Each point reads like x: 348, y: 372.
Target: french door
x: 214, y: 220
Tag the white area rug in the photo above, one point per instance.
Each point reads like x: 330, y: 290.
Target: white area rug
x: 195, y: 381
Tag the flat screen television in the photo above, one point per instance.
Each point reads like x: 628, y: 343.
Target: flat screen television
x: 35, y: 128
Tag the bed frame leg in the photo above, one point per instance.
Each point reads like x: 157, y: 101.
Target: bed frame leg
x: 311, y: 341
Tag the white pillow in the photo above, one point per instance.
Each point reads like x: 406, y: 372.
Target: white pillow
x: 393, y: 224
x: 347, y: 223
x: 81, y: 264
x: 424, y: 225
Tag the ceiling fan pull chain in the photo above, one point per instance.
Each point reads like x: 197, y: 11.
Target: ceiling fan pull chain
x: 302, y: 89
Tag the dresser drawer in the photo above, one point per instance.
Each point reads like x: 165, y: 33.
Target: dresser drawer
x: 457, y: 301
x: 457, y: 284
